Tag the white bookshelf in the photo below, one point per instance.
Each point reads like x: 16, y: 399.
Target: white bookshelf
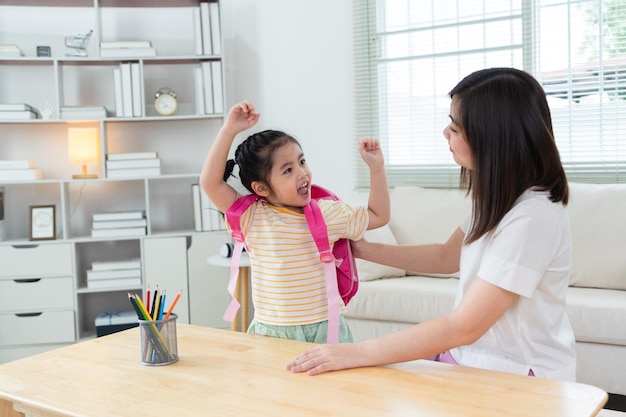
x: 181, y: 141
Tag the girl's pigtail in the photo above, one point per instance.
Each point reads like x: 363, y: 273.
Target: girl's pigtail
x: 230, y: 165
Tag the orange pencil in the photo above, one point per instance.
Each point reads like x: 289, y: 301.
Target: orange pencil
x: 173, y: 304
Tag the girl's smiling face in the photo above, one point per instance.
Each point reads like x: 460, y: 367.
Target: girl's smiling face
x: 457, y: 140
x: 290, y: 178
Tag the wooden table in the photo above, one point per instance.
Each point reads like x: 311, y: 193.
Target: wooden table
x: 242, y: 290
x: 225, y: 373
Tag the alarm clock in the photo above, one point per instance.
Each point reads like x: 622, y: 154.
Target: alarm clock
x: 165, y: 101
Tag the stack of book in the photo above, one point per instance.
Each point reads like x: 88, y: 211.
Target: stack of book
x: 206, y: 216
x: 209, y: 96
x: 10, y: 50
x: 19, y: 170
x: 126, y: 48
x: 133, y: 164
x: 82, y: 112
x: 207, y: 29
x: 114, y: 274
x: 17, y: 111
x: 128, y: 90
x: 119, y: 223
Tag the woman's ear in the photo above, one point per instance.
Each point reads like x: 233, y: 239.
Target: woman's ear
x: 260, y: 189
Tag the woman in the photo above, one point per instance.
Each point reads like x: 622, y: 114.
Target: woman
x: 513, y: 250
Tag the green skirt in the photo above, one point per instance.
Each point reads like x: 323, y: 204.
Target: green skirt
x: 313, y: 333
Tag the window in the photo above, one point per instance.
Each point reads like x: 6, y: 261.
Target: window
x: 410, y: 53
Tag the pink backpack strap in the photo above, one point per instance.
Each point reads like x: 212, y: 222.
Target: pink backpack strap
x: 233, y: 217
x: 319, y: 231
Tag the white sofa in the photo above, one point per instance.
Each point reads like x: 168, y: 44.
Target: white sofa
x: 390, y: 299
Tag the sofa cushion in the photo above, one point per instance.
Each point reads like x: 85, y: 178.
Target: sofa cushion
x: 597, y: 215
x: 597, y: 315
x: 369, y: 271
x: 409, y: 299
x: 426, y: 215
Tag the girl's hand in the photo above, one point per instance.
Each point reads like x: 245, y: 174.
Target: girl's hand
x: 370, y: 151
x: 241, y: 116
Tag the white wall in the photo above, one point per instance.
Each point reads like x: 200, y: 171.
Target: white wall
x: 293, y: 60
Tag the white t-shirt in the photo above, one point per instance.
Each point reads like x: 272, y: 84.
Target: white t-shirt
x: 529, y: 253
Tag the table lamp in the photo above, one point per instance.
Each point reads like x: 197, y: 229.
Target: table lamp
x: 82, y: 147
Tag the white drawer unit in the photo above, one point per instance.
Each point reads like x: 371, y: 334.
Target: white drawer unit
x: 34, y: 261
x: 37, y: 328
x: 14, y: 353
x: 36, y: 294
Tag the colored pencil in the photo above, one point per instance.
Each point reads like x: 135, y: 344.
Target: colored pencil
x: 148, y: 298
x: 161, y: 306
x: 157, y: 306
x: 151, y: 311
x: 173, y: 304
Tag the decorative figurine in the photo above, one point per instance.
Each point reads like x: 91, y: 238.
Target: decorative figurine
x: 79, y: 43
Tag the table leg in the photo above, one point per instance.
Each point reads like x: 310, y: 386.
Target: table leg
x: 6, y: 409
x: 244, y: 279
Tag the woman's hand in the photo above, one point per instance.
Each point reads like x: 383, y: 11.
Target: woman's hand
x: 325, y: 358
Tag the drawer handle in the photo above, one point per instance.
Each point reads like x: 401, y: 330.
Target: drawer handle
x: 27, y: 280
x: 29, y: 314
x: 24, y: 246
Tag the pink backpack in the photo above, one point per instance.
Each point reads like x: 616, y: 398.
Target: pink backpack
x: 339, y: 265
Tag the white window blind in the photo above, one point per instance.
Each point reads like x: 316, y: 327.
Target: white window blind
x: 410, y: 53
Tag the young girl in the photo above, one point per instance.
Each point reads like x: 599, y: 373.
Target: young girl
x: 513, y: 250
x: 288, y: 280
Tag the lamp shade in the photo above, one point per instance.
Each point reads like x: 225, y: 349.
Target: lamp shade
x: 82, y: 145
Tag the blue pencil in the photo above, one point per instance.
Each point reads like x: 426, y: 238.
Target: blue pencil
x: 161, y: 304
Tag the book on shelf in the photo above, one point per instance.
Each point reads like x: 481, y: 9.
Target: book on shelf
x: 20, y: 174
x: 207, y: 87
x: 133, y: 163
x: 125, y: 44
x: 127, y: 52
x: 10, y: 50
x: 115, y: 265
x: 113, y: 274
x: 136, y: 94
x: 210, y: 215
x: 17, y: 164
x: 117, y: 87
x: 205, y: 28
x: 119, y: 224
x: 16, y: 107
x: 133, y: 172
x: 127, y: 89
x: 218, y: 94
x: 119, y: 215
x: 132, y: 155
x: 18, y: 115
x: 119, y: 232
x: 197, y: 31
x: 82, y: 112
x: 198, y: 86
x: 216, y: 37
x: 112, y: 283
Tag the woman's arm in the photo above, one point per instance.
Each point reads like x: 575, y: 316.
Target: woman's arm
x: 482, y: 305
x: 434, y: 258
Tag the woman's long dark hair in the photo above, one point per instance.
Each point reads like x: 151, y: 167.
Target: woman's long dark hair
x: 505, y: 117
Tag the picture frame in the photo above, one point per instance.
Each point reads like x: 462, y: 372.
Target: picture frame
x: 43, y: 222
